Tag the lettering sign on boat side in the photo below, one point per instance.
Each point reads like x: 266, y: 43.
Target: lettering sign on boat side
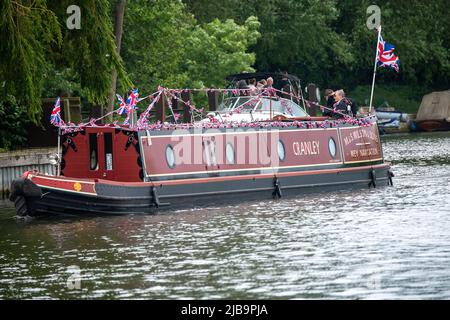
x: 314, y: 147
x: 306, y: 148
x: 361, y: 144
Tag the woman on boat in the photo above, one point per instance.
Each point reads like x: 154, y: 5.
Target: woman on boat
x: 343, y: 105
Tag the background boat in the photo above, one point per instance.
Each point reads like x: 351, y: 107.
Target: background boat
x: 434, y: 112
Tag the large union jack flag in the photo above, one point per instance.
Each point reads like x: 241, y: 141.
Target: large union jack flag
x: 55, y: 117
x: 386, y: 57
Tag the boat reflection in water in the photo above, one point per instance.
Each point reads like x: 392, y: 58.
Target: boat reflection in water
x: 258, y: 144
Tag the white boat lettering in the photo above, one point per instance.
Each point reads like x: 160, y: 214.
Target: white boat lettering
x: 306, y: 148
x: 360, y: 135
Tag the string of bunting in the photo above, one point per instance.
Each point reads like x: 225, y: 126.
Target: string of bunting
x: 170, y: 94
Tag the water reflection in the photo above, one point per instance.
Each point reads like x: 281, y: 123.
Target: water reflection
x: 384, y: 243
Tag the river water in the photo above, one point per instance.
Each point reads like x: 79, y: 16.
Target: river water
x: 388, y: 243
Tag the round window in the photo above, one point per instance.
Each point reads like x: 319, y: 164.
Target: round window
x: 170, y: 156
x: 230, y: 153
x: 332, y: 147
x: 281, y: 150
x: 210, y: 153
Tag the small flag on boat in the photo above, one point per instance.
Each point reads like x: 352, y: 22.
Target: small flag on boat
x: 386, y: 57
x: 55, y: 117
x: 122, y: 106
x: 133, y: 99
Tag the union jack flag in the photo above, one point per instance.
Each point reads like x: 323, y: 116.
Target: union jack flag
x: 386, y: 57
x: 133, y: 99
x: 123, y: 108
x: 55, y: 117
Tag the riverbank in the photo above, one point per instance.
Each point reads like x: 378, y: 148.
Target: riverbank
x: 14, y: 163
x: 403, y: 98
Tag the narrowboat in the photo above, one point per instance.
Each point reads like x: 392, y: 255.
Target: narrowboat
x: 255, y: 145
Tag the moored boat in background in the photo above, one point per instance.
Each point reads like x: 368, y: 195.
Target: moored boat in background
x: 434, y: 112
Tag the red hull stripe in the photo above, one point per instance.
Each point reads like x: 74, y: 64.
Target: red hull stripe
x: 70, y: 185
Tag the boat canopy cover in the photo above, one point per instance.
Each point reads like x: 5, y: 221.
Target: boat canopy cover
x: 435, y: 106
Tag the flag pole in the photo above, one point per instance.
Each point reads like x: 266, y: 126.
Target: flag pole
x: 375, y: 69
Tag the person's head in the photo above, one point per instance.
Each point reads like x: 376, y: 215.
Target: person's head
x: 261, y: 83
x: 328, y: 93
x: 253, y: 81
x: 242, y: 84
x: 339, y: 95
x: 270, y: 81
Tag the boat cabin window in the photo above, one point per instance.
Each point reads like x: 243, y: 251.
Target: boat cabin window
x: 230, y: 153
x: 170, y: 156
x: 282, y: 106
x: 93, y: 151
x: 281, y: 150
x: 247, y: 104
x: 108, y: 151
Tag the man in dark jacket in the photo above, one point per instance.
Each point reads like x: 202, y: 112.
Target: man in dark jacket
x: 329, y: 99
x: 343, y: 105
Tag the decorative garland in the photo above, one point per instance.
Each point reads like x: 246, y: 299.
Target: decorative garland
x: 169, y: 94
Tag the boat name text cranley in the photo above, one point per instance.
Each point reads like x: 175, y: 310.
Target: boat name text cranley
x: 306, y: 148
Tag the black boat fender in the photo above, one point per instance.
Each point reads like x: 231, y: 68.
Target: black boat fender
x: 390, y: 176
x: 155, y: 198
x: 373, y: 178
x: 276, y: 194
x: 24, y: 187
x: 21, y: 189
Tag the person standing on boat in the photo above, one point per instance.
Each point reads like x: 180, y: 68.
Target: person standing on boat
x: 343, y: 105
x: 329, y: 98
x: 252, y: 86
x: 269, y: 82
x: 243, y: 88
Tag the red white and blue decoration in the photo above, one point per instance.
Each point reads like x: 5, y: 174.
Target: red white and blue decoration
x: 55, y: 117
x: 386, y: 57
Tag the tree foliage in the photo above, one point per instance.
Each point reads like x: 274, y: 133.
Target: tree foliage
x: 164, y: 45
x: 217, y: 49
x: 195, y: 43
x: 26, y: 29
x: 328, y: 42
x: 88, y: 54
x: 41, y: 57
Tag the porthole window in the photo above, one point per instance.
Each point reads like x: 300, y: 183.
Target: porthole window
x: 210, y: 153
x: 281, y: 150
x: 170, y: 156
x: 230, y: 153
x: 332, y: 147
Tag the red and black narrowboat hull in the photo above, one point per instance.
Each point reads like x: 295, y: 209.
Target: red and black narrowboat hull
x: 117, y: 171
x: 36, y: 194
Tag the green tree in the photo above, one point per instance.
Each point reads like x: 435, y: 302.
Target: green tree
x: 152, y: 44
x: 217, y: 49
x: 89, y: 52
x: 27, y: 28
x: 163, y: 45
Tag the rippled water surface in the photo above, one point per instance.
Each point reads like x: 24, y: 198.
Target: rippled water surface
x: 392, y: 242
